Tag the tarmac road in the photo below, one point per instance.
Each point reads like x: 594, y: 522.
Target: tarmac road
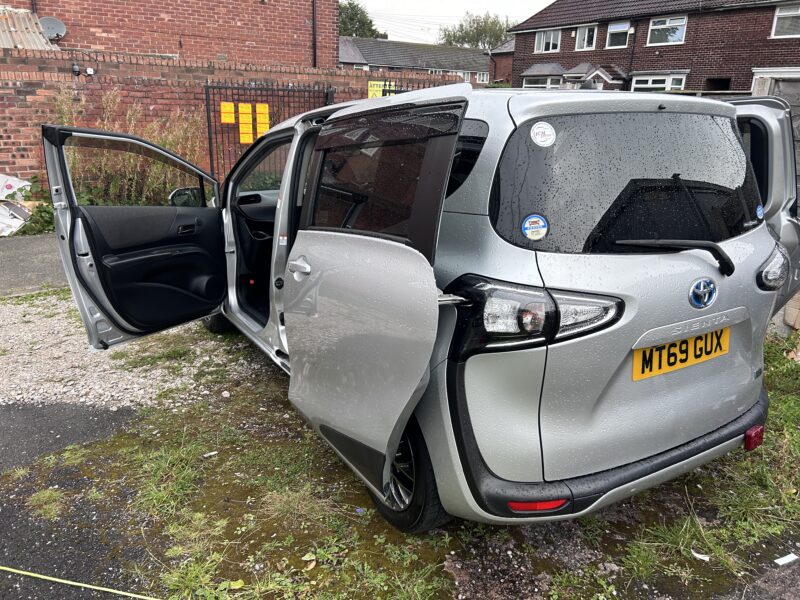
x: 29, y: 263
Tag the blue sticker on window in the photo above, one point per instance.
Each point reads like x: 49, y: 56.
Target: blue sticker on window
x: 535, y: 227
x: 760, y: 211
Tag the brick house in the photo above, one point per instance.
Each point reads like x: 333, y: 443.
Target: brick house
x: 368, y: 54
x: 270, y: 32
x: 699, y: 45
x: 501, y: 62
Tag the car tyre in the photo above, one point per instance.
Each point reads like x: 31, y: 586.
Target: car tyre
x: 417, y: 509
x: 217, y: 323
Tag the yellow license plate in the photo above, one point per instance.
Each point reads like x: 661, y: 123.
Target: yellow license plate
x: 657, y: 360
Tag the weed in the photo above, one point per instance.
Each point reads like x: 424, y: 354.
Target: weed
x: 73, y: 456
x: 18, y: 473
x: 47, y: 504
x: 168, y: 477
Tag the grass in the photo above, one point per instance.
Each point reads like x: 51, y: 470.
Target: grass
x: 47, y: 504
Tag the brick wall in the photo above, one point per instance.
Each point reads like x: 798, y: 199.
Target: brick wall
x: 718, y: 45
x: 31, y: 81
x: 260, y: 31
x: 501, y: 68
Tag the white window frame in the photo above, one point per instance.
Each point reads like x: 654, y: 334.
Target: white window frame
x: 795, y: 12
x: 481, y: 77
x: 435, y: 71
x: 463, y: 74
x: 553, y: 82
x: 627, y: 34
x: 539, y: 48
x: 644, y: 82
x: 667, y: 25
x: 585, y: 29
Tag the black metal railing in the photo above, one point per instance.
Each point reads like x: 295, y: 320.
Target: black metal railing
x: 239, y: 113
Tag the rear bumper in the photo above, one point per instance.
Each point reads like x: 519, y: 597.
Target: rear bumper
x: 590, y: 492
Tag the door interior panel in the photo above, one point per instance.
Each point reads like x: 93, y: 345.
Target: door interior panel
x: 159, y: 265
x: 255, y: 223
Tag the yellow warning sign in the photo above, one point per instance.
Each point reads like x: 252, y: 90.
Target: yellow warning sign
x: 245, y: 123
x: 379, y: 89
x: 262, y: 119
x: 227, y: 113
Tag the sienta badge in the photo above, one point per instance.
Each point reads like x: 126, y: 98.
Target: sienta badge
x: 543, y: 134
x: 535, y: 227
x: 760, y: 211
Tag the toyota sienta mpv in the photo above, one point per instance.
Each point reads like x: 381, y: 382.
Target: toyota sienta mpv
x: 503, y: 305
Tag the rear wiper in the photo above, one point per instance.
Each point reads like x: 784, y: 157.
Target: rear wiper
x: 726, y: 266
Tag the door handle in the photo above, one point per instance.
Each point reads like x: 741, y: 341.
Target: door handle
x: 185, y: 229
x: 299, y: 266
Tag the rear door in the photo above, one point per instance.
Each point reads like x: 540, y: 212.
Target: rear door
x: 361, y: 304
x: 645, y: 384
x: 768, y: 135
x: 140, y: 236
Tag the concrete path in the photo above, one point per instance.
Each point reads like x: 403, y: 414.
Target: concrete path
x: 30, y: 263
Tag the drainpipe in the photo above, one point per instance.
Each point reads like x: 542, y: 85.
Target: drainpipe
x: 33, y: 6
x: 494, y: 71
x: 314, y: 33
x: 633, y: 51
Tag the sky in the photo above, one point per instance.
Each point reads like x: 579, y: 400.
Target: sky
x: 419, y: 20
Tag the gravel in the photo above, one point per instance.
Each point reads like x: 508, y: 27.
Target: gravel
x: 45, y: 358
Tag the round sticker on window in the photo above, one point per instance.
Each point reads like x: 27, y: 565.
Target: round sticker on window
x: 760, y: 211
x: 535, y: 227
x: 543, y: 134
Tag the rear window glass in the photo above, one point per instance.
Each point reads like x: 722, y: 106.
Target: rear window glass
x: 468, y: 149
x: 579, y: 183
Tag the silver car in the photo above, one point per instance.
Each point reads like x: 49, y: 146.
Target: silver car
x: 502, y: 305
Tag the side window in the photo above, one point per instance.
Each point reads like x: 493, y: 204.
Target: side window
x: 117, y: 172
x: 755, y: 140
x: 369, y: 189
x: 380, y: 173
x: 267, y: 173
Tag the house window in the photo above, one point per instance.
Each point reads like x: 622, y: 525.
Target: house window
x: 463, y: 74
x: 586, y: 37
x: 658, y: 83
x: 435, y: 71
x: 541, y: 83
x: 666, y: 31
x: 787, y: 22
x: 618, y: 34
x: 548, y: 41
x: 482, y: 77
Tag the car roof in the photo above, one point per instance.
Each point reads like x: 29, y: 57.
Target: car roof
x: 524, y: 104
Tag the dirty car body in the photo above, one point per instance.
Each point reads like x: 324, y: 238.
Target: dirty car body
x: 504, y: 306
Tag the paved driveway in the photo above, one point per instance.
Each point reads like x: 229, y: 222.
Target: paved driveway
x: 29, y: 263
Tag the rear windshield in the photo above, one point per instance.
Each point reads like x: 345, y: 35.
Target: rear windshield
x: 579, y: 183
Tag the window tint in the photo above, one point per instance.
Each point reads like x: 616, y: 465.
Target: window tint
x: 609, y: 177
x: 369, y: 189
x: 377, y: 171
x: 121, y: 172
x: 468, y: 149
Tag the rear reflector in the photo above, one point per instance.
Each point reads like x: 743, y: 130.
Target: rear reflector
x: 536, y: 506
x: 753, y: 437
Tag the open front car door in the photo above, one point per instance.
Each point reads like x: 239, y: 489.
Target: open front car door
x: 768, y: 135
x: 140, y: 236
x: 361, y: 306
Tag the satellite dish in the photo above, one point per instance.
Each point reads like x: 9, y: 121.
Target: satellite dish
x: 54, y: 29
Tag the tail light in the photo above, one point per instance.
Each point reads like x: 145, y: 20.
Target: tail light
x: 774, y: 273
x: 543, y: 505
x: 506, y: 316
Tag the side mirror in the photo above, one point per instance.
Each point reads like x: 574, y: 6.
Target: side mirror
x: 187, y: 197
